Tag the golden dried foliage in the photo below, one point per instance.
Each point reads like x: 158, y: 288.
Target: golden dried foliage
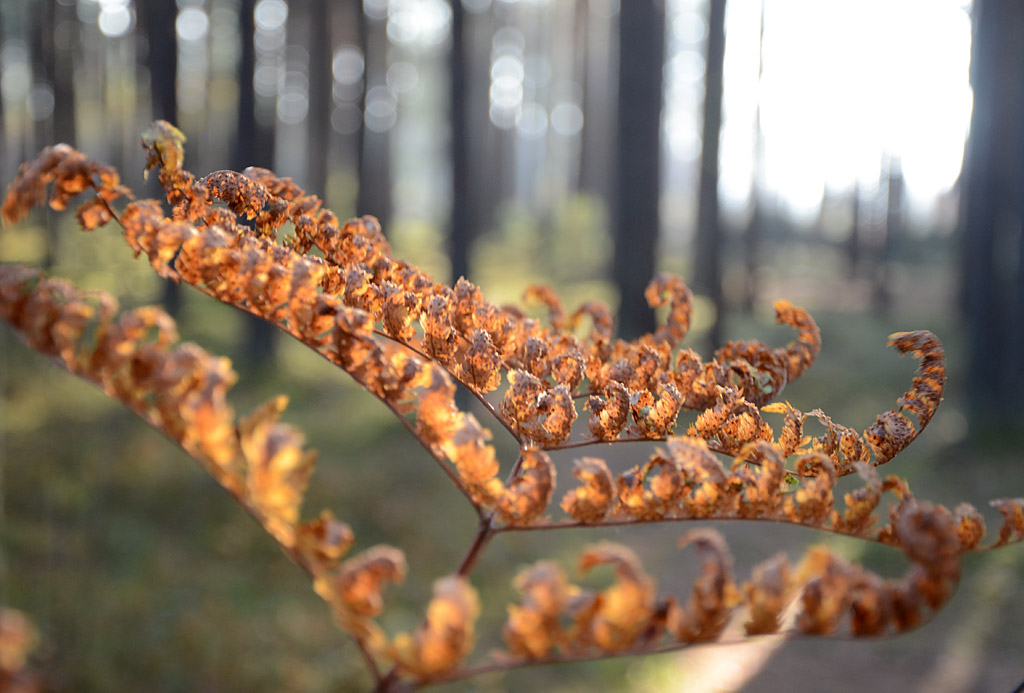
x: 591, y: 501
x: 704, y: 614
x: 446, y: 636
x: 533, y: 629
x: 262, y: 244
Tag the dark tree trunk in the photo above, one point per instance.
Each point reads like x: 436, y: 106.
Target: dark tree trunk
x: 992, y: 289
x: 707, y: 276
x: 320, y: 84
x: 42, y: 55
x: 254, y: 146
x: 460, y: 229
x: 597, y: 152
x: 374, y: 145
x: 157, y: 18
x: 66, y: 52
x: 347, y: 106
x: 642, y: 49
x: 254, y: 141
x: 489, y: 168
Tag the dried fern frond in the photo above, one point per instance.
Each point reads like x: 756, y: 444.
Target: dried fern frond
x: 410, y: 341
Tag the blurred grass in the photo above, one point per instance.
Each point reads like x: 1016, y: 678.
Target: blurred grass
x: 143, y: 575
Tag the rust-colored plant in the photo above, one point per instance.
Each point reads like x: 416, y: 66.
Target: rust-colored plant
x: 411, y: 341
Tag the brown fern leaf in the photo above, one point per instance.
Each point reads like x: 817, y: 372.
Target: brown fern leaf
x: 71, y: 173
x: 539, y: 415
x: 446, y: 636
x: 970, y: 526
x: 529, y: 494
x: 545, y: 295
x: 892, y: 431
x: 759, y: 372
x: 1012, y: 510
x: 243, y: 195
x: 610, y: 413
x: 860, y: 504
x: 481, y: 368
x: 533, y: 629
x: 889, y: 435
x: 670, y: 288
x: 843, y: 445
x: 707, y: 479
x: 655, y: 414
x: 323, y: 542
x: 621, y: 613
x: 731, y: 423
x: 714, y: 595
x: 591, y: 501
x: 567, y: 363
x: 354, y: 591
x: 759, y: 472
x: 602, y: 327
x: 407, y: 339
x: 825, y: 597
x: 439, y: 339
x: 811, y: 503
x: 792, y: 435
x: 277, y: 469
x: 401, y: 309
x: 804, y: 350
x: 925, y: 394
x: 768, y: 593
x: 651, y: 491
x: 165, y: 145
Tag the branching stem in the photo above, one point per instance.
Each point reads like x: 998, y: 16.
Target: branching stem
x: 480, y: 541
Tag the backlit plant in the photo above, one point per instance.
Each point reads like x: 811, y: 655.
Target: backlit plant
x: 410, y: 342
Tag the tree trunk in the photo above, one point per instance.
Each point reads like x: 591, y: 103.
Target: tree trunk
x: 707, y: 276
x: 892, y: 232
x: 853, y: 241
x: 752, y: 235
x: 374, y: 144
x: 460, y: 230
x: 157, y: 19
x: 254, y: 146
x: 66, y: 52
x: 320, y: 103
x: 41, y: 55
x: 597, y: 151
x: 992, y: 279
x: 642, y: 49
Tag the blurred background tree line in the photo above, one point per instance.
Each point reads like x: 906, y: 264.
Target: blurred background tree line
x: 861, y: 158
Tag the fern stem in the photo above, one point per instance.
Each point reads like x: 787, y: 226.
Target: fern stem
x: 564, y: 524
x: 480, y: 541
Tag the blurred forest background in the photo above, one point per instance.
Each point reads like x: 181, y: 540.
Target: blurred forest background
x: 863, y: 159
